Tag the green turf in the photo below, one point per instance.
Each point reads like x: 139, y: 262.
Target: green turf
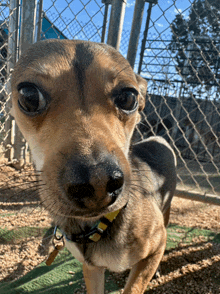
x: 49, y: 279
x: 56, y: 279
x: 9, y: 236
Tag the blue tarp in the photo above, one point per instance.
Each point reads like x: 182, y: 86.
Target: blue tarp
x: 49, y: 31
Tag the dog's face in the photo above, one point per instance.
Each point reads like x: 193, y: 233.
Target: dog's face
x: 77, y: 104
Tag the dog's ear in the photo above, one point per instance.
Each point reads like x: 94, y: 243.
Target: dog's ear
x: 143, y: 89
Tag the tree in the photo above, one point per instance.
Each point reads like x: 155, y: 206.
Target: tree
x: 196, y: 43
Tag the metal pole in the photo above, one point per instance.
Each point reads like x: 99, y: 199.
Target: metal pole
x: 40, y: 17
x: 135, y: 31
x: 28, y: 21
x: 105, y: 20
x: 13, y: 33
x: 116, y: 23
x: 11, y: 59
x: 205, y: 198
x: 145, y: 36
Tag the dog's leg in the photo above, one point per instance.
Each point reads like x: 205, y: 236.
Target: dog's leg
x: 142, y: 273
x: 94, y: 279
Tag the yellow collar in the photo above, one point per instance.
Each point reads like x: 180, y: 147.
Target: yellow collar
x: 103, y: 224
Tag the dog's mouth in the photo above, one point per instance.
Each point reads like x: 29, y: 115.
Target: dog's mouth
x: 92, y: 203
x: 95, y: 209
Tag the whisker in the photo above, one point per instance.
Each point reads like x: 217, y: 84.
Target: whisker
x: 18, y: 185
x: 18, y: 193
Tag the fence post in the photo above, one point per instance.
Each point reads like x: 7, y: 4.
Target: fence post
x: 116, y: 23
x: 135, y: 31
x: 151, y: 2
x: 39, y: 21
x: 11, y: 59
x: 105, y: 19
x: 28, y: 20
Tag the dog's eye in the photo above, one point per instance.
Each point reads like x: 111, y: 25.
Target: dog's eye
x: 31, y: 99
x: 127, y: 101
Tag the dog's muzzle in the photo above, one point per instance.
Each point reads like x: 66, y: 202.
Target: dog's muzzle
x: 92, y: 185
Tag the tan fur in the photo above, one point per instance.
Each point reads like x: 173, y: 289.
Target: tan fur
x: 82, y: 128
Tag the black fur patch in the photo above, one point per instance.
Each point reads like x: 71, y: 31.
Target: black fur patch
x: 83, y: 59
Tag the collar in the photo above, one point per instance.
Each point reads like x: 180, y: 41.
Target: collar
x: 95, y: 233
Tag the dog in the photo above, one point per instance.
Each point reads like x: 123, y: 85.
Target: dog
x: 77, y: 104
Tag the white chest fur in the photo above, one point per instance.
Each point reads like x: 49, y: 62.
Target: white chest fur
x: 73, y: 248
x: 114, y: 262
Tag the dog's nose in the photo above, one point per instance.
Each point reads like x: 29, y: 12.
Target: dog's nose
x: 93, y: 186
x: 115, y: 182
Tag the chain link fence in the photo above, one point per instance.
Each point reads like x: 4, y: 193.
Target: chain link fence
x: 73, y: 20
x: 8, y: 51
x: 180, y: 60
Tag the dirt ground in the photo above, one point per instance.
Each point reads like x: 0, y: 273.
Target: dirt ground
x: 192, y: 267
